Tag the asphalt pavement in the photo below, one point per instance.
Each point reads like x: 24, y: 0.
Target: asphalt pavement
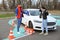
x: 4, y: 31
x: 53, y: 35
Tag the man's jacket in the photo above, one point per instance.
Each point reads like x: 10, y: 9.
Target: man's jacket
x: 18, y: 12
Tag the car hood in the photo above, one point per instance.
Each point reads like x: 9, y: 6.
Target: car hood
x: 49, y: 18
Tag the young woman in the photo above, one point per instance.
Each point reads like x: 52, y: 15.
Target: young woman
x: 44, y: 14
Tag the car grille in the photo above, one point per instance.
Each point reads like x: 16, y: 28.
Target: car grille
x: 51, y: 23
x: 44, y: 28
x: 48, y: 24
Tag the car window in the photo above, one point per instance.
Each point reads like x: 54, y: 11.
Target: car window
x: 26, y: 12
x: 34, y: 12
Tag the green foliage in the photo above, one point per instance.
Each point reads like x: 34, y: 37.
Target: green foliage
x: 54, y: 4
x: 6, y: 15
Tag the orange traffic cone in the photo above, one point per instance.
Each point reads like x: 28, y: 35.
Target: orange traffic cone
x: 26, y: 29
x: 29, y: 30
x: 11, y: 35
x: 13, y: 24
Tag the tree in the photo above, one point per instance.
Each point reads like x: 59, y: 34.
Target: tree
x: 18, y: 1
x: 4, y: 5
x: 55, y: 4
x: 29, y: 3
x: 13, y: 4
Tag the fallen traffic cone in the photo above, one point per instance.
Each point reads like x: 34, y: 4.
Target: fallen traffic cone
x: 29, y: 30
x: 26, y: 28
x: 11, y: 35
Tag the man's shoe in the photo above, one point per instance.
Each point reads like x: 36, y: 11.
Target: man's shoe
x: 18, y: 32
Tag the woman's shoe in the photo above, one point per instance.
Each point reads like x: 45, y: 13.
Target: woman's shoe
x: 46, y: 34
x: 41, y: 33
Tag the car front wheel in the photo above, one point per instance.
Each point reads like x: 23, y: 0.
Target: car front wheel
x: 30, y: 24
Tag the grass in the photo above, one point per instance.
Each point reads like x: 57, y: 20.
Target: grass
x: 54, y: 12
x: 6, y: 15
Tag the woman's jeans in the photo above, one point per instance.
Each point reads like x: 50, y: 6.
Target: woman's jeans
x: 18, y: 23
x: 44, y: 25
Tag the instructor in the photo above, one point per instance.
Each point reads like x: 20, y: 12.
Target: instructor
x: 19, y: 17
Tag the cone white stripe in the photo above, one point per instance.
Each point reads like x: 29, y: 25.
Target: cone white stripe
x: 11, y: 31
x: 11, y: 34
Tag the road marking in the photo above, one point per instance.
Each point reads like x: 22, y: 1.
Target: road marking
x: 23, y: 33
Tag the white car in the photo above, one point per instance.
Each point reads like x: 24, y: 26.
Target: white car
x: 31, y: 18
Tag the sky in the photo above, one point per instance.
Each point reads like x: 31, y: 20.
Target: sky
x: 0, y: 1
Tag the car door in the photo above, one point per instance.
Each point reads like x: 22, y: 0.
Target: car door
x: 26, y: 15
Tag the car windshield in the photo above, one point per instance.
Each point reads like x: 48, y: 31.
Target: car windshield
x: 34, y: 12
